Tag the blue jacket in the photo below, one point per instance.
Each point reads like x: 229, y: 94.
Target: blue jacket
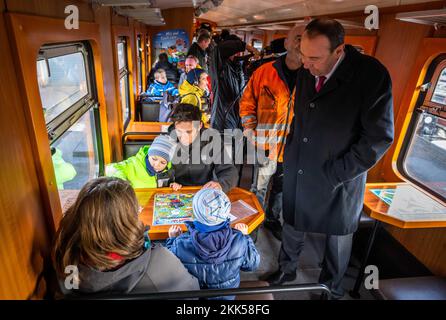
x: 157, y: 89
x: 221, y: 269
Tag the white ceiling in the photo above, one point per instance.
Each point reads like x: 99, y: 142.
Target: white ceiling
x: 236, y: 12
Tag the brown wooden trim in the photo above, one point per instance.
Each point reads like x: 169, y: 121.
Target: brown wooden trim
x: 29, y: 34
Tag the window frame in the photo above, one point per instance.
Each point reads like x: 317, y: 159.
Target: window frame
x: 124, y: 72
x: 423, y: 105
x: 64, y: 121
x: 140, y: 62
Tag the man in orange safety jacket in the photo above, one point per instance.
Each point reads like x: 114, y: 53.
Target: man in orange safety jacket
x: 266, y: 111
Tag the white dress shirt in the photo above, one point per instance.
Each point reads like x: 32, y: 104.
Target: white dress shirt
x: 328, y: 75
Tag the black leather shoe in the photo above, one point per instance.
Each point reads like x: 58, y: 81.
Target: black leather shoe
x: 278, y: 277
x: 275, y: 227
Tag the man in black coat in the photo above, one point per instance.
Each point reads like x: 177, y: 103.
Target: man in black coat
x: 343, y: 125
x: 199, y: 49
x: 227, y: 83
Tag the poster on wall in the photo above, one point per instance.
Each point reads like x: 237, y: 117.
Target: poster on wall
x: 173, y: 42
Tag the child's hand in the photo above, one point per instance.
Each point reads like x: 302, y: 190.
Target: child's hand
x: 243, y: 228
x: 174, y: 231
x: 175, y: 186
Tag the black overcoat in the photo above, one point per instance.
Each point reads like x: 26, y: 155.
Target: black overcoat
x: 336, y: 136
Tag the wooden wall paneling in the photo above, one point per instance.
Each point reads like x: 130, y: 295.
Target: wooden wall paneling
x: 368, y: 43
x: 24, y: 240
x: 427, y: 245
x: 103, y: 17
x: 29, y: 33
x: 397, y: 49
x: 125, y: 31
x: 50, y: 8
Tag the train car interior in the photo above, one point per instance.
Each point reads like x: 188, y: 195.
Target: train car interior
x: 91, y: 90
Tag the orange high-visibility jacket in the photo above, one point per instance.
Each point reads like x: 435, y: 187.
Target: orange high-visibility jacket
x: 267, y: 107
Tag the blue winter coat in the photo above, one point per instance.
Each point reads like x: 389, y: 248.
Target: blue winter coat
x: 241, y: 255
x: 157, y: 89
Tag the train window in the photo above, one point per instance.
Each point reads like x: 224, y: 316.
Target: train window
x: 65, y: 77
x: 75, y: 154
x: 124, y: 81
x: 257, y: 44
x: 422, y: 159
x: 62, y: 83
x: 439, y: 95
x: 139, y: 52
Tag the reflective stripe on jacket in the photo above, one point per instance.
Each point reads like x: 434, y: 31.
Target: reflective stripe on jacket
x: 267, y: 108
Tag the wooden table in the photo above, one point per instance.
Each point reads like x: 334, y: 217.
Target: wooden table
x: 379, y: 210
x: 150, y: 130
x: 409, y: 208
x: 145, y: 198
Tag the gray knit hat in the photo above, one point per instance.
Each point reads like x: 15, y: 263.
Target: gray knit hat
x: 163, y: 146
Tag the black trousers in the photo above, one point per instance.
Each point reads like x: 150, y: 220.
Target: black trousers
x: 335, y: 261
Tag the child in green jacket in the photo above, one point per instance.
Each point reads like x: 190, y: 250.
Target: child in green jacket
x: 150, y: 167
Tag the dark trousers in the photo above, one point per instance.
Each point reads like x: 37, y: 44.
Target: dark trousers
x: 335, y: 261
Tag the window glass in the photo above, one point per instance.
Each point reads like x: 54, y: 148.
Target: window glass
x: 425, y: 159
x: 257, y: 44
x: 75, y: 154
x: 122, y: 62
x: 439, y: 95
x: 139, y: 65
x: 123, y: 85
x: 62, y: 82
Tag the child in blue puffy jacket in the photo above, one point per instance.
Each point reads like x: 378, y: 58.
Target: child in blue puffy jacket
x: 161, y: 85
x: 211, y: 250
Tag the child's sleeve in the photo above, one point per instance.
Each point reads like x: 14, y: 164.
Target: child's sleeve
x: 151, y: 89
x: 252, y: 257
x: 171, y: 245
x: 117, y: 170
x: 172, y: 90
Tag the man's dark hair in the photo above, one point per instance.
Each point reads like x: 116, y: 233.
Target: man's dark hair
x: 224, y: 34
x: 330, y: 28
x: 163, y: 57
x: 204, y: 36
x: 185, y: 112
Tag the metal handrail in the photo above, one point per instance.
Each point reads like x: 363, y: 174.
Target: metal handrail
x: 206, y: 293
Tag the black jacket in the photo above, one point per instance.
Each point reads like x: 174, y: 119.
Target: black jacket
x: 227, y: 85
x: 210, y: 163
x: 336, y: 136
x: 201, y: 54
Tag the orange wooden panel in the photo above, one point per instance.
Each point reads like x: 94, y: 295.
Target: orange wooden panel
x: 24, y: 239
x: 145, y: 198
x: 368, y: 43
x: 29, y: 33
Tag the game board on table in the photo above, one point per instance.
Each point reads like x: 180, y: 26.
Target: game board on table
x: 172, y: 208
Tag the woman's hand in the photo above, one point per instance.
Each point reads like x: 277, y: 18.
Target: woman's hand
x: 243, y: 228
x: 174, y: 231
x: 175, y: 186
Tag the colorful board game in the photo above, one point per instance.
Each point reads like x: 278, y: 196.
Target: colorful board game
x: 172, y: 208
x: 385, y: 195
